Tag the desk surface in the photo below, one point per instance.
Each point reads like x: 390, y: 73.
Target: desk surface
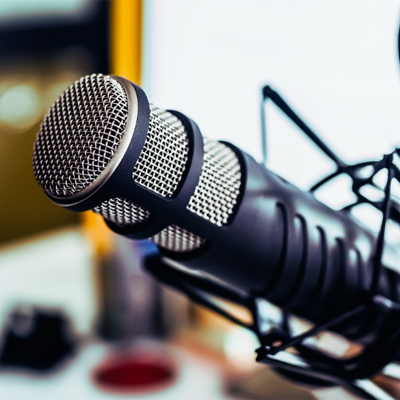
x: 197, y: 379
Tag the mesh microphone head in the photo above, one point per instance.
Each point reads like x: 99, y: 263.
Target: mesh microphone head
x: 82, y: 136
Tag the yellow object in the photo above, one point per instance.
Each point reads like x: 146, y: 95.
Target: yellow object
x: 126, y: 38
x: 126, y: 57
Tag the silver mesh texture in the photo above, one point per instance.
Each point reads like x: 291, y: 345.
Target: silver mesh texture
x: 163, y: 159
x: 219, y: 186
x: 80, y: 134
x: 177, y: 239
x: 122, y: 212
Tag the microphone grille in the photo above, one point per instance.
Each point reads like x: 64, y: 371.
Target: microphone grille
x: 216, y: 194
x: 122, y: 212
x: 163, y: 159
x: 175, y: 238
x: 80, y: 135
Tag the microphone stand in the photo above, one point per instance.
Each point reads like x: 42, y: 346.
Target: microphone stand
x: 309, y: 365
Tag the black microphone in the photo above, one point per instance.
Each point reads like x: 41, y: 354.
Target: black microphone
x: 207, y: 204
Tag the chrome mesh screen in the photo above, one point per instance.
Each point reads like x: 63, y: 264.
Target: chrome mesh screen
x: 177, y: 239
x: 163, y: 159
x: 122, y: 212
x: 218, y: 189
x: 80, y: 134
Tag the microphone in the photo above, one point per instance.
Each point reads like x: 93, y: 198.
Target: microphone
x: 206, y: 204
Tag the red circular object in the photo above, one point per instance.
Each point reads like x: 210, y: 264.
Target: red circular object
x: 134, y: 375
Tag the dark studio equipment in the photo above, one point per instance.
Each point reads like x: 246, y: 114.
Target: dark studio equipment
x: 37, y: 340
x: 211, y: 207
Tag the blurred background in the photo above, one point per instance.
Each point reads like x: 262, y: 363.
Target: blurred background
x: 73, y: 293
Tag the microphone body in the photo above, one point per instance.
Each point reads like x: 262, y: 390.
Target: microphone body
x: 263, y: 236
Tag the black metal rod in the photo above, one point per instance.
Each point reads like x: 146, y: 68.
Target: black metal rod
x: 380, y: 243
x: 264, y: 142
x: 156, y: 266
x: 198, y: 289
x: 199, y: 298
x: 268, y: 92
x: 317, y: 329
x: 325, y: 180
